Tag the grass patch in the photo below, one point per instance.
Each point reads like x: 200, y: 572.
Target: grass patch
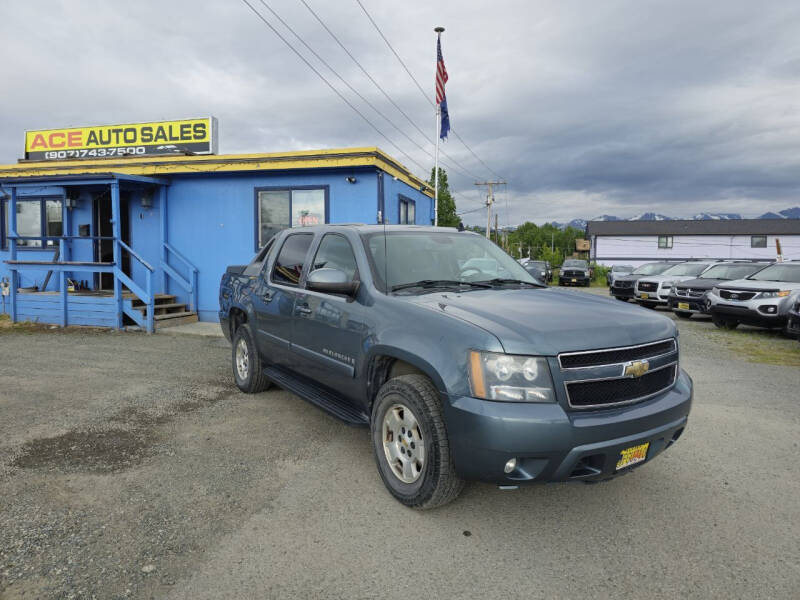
x: 759, y: 345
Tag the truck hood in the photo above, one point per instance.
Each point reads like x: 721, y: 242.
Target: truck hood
x: 548, y: 321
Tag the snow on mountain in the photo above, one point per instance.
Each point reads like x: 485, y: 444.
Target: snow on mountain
x: 791, y: 213
x: 649, y: 216
x: 716, y: 216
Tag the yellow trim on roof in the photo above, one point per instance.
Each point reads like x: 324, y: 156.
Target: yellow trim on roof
x: 221, y: 163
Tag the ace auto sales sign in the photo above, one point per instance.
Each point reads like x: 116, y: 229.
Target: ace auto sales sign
x: 186, y: 136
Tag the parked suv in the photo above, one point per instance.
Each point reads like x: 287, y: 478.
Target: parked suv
x: 575, y: 272
x: 622, y: 285
x: 616, y: 271
x: 793, y: 324
x: 654, y: 290
x: 539, y: 270
x: 691, y: 297
x: 458, y: 373
x: 762, y: 299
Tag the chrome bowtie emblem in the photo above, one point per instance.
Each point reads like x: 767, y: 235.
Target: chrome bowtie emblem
x: 636, y: 368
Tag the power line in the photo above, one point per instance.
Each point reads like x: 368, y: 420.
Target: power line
x: 465, y: 172
x: 324, y: 62
x: 422, y: 91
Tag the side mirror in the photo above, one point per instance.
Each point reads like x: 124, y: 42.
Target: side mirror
x: 331, y: 281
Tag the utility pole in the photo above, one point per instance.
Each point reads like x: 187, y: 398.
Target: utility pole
x: 496, y: 232
x: 489, y: 202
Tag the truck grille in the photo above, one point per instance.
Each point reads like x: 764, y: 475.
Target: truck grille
x: 573, y: 274
x: 648, y: 286
x: 690, y: 293
x: 623, y: 285
x: 616, y: 391
x: 736, y: 295
x: 615, y: 355
x: 598, y: 379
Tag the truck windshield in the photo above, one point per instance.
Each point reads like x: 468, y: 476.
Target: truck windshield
x: 406, y: 257
x: 580, y: 264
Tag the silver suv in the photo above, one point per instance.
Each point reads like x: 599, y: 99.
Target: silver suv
x: 654, y: 289
x: 762, y: 300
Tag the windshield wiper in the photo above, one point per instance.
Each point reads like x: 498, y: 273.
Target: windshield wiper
x: 500, y: 281
x: 433, y: 283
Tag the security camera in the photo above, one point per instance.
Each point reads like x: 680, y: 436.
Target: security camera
x: 350, y: 179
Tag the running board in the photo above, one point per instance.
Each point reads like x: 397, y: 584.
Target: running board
x: 319, y: 397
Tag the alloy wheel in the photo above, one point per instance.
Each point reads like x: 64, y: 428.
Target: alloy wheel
x: 403, y: 443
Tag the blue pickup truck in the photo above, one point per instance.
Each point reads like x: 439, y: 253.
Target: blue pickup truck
x: 462, y: 366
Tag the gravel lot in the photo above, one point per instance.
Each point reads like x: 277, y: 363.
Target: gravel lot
x: 130, y: 466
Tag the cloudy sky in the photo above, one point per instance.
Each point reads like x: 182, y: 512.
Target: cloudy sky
x: 585, y: 108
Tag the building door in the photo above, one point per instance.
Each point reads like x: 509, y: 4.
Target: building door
x: 104, y: 249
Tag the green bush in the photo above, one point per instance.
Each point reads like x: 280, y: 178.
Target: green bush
x: 600, y: 273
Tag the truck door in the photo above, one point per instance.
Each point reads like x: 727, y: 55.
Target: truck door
x: 275, y: 297
x: 330, y: 329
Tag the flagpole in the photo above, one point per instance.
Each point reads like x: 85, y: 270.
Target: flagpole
x: 438, y: 31
x: 436, y: 172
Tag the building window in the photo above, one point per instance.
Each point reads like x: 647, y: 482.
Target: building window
x: 36, y: 217
x: 279, y: 209
x: 289, y: 265
x: 665, y: 241
x: 758, y: 241
x: 408, y: 211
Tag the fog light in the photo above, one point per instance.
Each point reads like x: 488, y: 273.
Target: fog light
x: 510, y: 465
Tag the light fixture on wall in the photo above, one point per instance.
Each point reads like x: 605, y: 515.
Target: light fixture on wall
x: 147, y: 199
x: 71, y: 199
x: 350, y: 179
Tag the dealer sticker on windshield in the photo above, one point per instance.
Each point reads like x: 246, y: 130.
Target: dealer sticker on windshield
x: 633, y: 455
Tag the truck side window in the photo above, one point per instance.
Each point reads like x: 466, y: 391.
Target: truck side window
x: 289, y: 264
x: 335, y: 252
x: 254, y: 268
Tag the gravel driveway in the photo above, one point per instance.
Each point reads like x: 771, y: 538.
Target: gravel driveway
x: 130, y: 466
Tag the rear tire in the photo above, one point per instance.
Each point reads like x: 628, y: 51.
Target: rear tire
x: 407, y: 411
x: 724, y: 323
x: 682, y: 314
x: 246, y: 361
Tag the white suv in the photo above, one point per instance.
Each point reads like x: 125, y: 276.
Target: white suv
x: 654, y: 289
x: 762, y: 300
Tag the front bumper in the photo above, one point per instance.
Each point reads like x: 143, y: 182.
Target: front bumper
x: 660, y: 296
x: 574, y: 280
x: 620, y: 292
x: 697, y: 306
x: 759, y: 312
x: 551, y: 444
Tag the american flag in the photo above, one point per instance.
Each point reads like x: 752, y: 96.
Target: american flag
x: 441, y: 98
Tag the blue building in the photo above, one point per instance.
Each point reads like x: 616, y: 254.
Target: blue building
x: 145, y: 239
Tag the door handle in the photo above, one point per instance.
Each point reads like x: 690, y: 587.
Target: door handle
x: 267, y: 296
x: 303, y: 309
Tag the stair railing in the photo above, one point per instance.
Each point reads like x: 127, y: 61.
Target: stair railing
x: 145, y: 295
x: 188, y: 284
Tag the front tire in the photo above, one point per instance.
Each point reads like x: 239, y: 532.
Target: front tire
x: 247, y: 367
x: 723, y: 323
x: 410, y: 442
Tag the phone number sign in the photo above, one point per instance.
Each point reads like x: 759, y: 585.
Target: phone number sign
x: 185, y: 136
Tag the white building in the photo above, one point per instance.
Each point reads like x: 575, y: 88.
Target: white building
x: 637, y: 242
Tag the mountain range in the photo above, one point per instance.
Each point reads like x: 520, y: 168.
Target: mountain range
x: 789, y: 213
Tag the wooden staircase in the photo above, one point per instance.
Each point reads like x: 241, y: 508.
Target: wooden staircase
x: 166, y: 311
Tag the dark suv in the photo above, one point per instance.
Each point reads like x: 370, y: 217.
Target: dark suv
x: 461, y: 365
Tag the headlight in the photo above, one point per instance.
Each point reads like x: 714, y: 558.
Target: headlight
x: 780, y: 294
x: 510, y: 378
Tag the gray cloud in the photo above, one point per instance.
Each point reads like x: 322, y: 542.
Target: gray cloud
x: 585, y: 108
